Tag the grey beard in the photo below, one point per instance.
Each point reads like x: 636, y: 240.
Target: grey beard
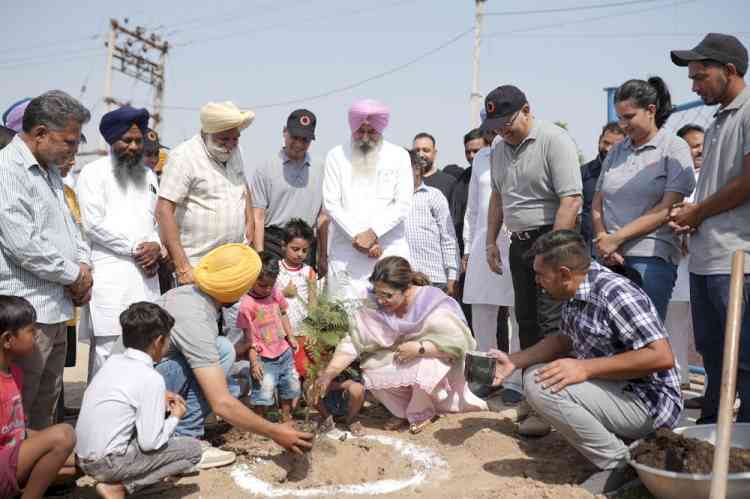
x: 128, y: 171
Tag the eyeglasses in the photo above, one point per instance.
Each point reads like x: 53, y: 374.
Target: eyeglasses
x: 386, y: 295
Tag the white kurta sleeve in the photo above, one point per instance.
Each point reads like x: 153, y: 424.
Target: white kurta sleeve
x: 333, y: 196
x: 472, y: 209
x: 152, y: 429
x: 92, y: 198
x: 399, y: 209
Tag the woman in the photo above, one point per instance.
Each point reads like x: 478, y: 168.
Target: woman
x: 411, y: 348
x: 641, y: 179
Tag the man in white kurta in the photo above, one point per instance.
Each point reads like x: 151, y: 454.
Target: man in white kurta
x: 117, y: 196
x: 367, y: 191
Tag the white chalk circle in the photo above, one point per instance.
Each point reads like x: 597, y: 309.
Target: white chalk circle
x: 424, y: 461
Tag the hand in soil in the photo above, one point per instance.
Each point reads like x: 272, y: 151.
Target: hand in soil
x: 287, y: 436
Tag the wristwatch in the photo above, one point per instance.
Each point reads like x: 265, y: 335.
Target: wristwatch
x: 421, y: 349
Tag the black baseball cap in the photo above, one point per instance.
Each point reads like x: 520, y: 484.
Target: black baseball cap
x: 151, y: 141
x: 725, y: 49
x: 500, y: 104
x: 301, y: 123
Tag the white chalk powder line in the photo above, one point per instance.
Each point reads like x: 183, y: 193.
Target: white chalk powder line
x: 424, y: 461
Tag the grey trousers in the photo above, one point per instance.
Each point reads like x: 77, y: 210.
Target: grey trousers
x: 43, y: 375
x: 592, y: 416
x: 136, y: 469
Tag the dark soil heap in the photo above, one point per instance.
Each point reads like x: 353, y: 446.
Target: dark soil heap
x: 670, y: 451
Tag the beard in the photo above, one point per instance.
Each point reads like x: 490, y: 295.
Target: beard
x: 216, y: 151
x: 365, y: 154
x: 128, y: 169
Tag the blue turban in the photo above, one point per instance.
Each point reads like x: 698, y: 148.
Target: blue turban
x: 116, y: 123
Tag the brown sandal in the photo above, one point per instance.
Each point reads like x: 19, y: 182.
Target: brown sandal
x: 356, y: 429
x: 394, y: 423
x: 416, y: 428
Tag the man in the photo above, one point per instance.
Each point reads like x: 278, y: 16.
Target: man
x: 459, y: 197
x: 424, y: 144
x: 621, y: 381
x: 430, y: 234
x: 43, y: 257
x: 694, y: 134
x: 367, y: 192
x: 288, y: 186
x: 204, y: 200
x: 717, y: 218
x: 536, y: 188
x: 198, y: 362
x: 117, y: 196
x: 611, y: 135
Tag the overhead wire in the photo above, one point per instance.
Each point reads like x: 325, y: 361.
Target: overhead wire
x: 570, y: 9
x: 355, y: 84
x: 560, y: 24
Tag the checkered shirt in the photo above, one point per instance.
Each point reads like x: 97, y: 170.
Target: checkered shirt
x: 609, y: 315
x: 431, y: 236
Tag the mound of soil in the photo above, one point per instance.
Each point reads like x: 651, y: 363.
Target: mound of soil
x: 334, y: 462
x: 672, y: 452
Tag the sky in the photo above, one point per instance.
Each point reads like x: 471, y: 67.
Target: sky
x: 409, y: 53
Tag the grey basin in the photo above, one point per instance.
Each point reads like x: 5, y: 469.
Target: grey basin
x: 671, y: 485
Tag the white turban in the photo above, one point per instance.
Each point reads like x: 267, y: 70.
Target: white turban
x: 221, y: 116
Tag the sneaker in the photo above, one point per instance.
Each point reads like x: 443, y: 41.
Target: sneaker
x: 534, y: 426
x: 213, y: 457
x: 514, y: 412
x: 609, y: 481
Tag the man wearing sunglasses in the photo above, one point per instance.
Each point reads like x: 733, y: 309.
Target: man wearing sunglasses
x: 536, y: 188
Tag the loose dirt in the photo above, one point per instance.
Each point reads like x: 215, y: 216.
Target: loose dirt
x: 670, y: 451
x: 483, y: 456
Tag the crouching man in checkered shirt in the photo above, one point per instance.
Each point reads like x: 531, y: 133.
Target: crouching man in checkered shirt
x: 620, y: 381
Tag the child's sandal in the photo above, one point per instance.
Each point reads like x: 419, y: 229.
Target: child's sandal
x: 356, y: 429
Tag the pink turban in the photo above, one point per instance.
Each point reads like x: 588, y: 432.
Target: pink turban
x: 13, y: 116
x: 369, y: 111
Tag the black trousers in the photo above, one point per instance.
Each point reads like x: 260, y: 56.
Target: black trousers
x: 537, y: 313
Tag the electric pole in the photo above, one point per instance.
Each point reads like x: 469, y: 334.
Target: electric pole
x: 139, y: 55
x: 475, y: 99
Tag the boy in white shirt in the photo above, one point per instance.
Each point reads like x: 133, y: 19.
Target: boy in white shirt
x: 124, y: 440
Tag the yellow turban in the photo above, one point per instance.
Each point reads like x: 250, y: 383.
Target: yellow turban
x: 227, y: 272
x: 220, y: 116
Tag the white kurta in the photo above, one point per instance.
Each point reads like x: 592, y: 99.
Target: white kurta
x: 379, y: 201
x: 483, y: 286
x: 115, y: 221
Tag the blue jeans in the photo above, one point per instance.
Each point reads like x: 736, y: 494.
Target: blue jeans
x: 658, y: 277
x: 709, y: 297
x: 278, y: 374
x: 180, y: 379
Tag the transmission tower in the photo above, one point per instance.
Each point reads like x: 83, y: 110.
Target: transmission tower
x: 140, y: 55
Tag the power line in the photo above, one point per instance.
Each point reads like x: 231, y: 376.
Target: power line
x: 570, y: 9
x: 295, y: 23
x: 51, y: 44
x: 52, y: 58
x: 588, y: 19
x: 350, y: 86
x: 617, y: 35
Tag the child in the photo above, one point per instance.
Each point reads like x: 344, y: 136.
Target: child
x: 297, y: 282
x: 28, y: 459
x: 268, y: 336
x: 124, y: 440
x: 344, y: 398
